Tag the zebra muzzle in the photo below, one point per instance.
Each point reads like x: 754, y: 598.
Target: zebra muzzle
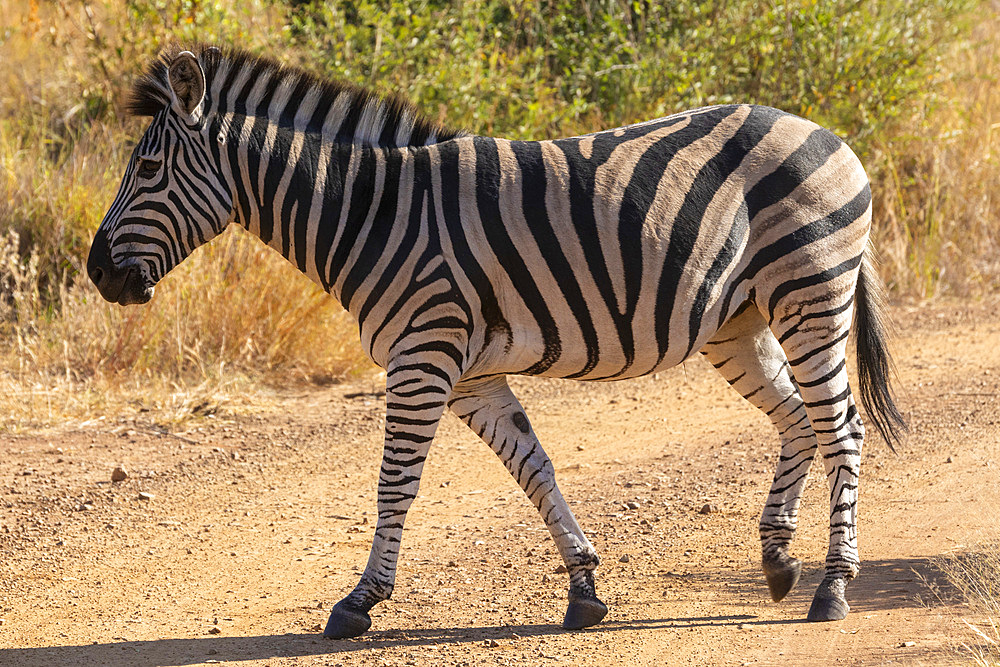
x: 123, y: 285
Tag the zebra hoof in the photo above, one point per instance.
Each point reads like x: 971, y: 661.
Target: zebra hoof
x: 782, y: 574
x: 828, y: 609
x: 829, y: 603
x: 346, y: 621
x: 583, y: 613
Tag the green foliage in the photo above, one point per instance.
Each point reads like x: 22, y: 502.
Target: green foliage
x: 554, y: 67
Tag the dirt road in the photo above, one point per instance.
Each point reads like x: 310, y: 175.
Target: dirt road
x: 259, y: 519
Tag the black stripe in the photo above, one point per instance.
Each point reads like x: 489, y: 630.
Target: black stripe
x: 496, y: 324
x: 711, y: 178
x: 488, y: 202
x: 376, y: 241
x: 804, y: 161
x: 362, y: 199
x: 533, y: 187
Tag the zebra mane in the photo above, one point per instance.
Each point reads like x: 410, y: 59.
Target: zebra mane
x: 360, y: 115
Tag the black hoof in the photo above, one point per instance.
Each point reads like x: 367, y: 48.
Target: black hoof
x: 828, y: 609
x: 830, y: 601
x: 583, y: 613
x: 782, y: 575
x: 346, y: 621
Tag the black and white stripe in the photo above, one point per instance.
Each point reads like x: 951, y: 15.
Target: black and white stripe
x: 737, y: 231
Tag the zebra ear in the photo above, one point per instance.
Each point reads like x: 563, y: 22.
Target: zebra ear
x: 187, y: 82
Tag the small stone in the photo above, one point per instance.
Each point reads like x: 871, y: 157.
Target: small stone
x: 580, y: 448
x: 212, y: 651
x: 624, y: 559
x: 709, y: 508
x: 632, y: 505
x: 546, y: 578
x: 743, y: 626
x: 561, y: 569
x: 906, y: 644
x: 491, y: 643
x: 214, y: 630
x: 86, y: 507
x: 316, y: 628
x: 119, y: 474
x: 145, y: 495
x: 949, y: 460
x: 236, y: 456
x: 452, y: 563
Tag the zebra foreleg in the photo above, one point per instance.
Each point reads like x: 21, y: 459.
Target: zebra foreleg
x: 492, y: 411
x: 415, y: 402
x: 749, y: 357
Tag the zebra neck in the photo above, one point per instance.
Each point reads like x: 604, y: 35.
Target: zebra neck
x: 330, y: 208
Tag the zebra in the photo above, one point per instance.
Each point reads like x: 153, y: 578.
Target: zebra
x: 737, y: 231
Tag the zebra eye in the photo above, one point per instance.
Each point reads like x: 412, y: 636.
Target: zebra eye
x: 148, y: 168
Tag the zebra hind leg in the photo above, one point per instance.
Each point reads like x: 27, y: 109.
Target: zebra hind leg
x: 749, y: 357
x: 816, y: 347
x: 492, y: 411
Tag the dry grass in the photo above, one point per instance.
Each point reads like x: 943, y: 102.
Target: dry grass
x: 232, y: 320
x: 233, y: 316
x: 975, y: 574
x: 937, y: 178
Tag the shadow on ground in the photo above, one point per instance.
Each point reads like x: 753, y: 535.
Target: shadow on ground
x: 884, y: 585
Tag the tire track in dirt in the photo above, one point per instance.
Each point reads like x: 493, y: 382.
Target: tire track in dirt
x: 258, y: 546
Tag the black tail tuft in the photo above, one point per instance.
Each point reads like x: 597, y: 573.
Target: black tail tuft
x: 874, y: 362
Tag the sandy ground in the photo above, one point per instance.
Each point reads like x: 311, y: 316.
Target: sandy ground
x: 260, y: 519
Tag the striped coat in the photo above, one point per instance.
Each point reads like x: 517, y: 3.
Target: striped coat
x: 739, y: 232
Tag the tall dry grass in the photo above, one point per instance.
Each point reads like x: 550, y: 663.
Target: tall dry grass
x: 232, y: 318
x: 937, y: 176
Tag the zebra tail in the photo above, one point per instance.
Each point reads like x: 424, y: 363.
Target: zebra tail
x: 875, y: 364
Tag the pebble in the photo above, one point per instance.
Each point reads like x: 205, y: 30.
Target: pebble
x: 949, y: 460
x: 624, y: 559
x: 632, y: 505
x: 906, y: 644
x: 708, y: 508
x: 492, y: 643
x: 145, y: 495
x: 561, y: 569
x: 214, y: 630
x: 119, y: 474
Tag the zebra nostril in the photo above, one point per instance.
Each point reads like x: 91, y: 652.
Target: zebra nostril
x: 96, y: 273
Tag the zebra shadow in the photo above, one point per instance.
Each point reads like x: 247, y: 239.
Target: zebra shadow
x: 883, y: 585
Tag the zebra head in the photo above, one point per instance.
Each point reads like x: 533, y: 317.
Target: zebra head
x: 173, y: 196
